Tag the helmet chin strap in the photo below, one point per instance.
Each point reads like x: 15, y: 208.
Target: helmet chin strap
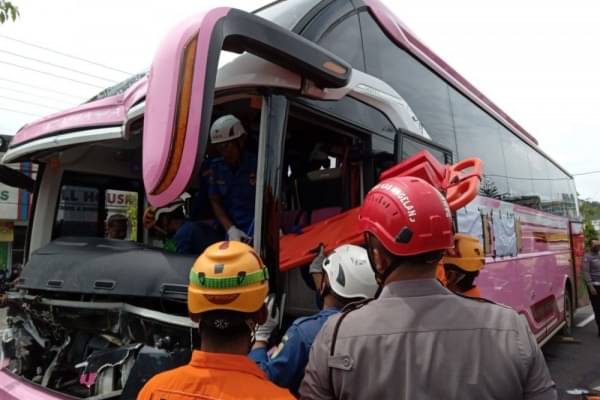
x: 252, y: 326
x: 380, y: 277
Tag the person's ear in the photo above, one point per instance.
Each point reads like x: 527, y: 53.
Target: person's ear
x: 381, y: 263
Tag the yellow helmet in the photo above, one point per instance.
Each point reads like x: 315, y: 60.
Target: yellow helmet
x: 467, y: 253
x: 228, y: 276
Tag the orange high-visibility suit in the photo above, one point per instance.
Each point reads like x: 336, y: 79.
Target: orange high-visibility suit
x: 211, y: 376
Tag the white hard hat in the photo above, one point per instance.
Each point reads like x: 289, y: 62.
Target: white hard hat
x: 226, y: 128
x: 349, y: 272
x: 181, y: 201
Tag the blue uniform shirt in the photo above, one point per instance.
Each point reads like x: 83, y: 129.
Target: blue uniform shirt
x: 194, y: 236
x: 236, y: 188
x: 286, y: 366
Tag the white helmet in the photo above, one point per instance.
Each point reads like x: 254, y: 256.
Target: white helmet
x: 226, y: 128
x: 182, y: 201
x: 349, y: 272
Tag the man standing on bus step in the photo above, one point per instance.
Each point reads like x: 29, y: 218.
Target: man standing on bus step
x: 232, y: 184
x: 418, y: 340
x: 346, y: 277
x: 462, y: 265
x: 591, y: 274
x: 226, y: 295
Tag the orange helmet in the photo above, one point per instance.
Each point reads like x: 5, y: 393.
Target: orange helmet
x: 467, y: 253
x: 228, y: 276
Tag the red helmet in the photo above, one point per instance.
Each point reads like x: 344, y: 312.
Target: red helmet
x: 408, y: 216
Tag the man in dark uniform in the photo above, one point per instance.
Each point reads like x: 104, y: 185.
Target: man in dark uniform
x: 232, y: 187
x: 418, y: 340
x: 591, y: 274
x: 347, y: 277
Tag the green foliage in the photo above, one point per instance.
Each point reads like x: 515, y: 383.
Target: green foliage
x: 589, y: 233
x: 8, y: 11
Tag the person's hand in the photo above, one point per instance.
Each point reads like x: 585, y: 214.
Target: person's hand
x: 234, y: 233
x: 149, y: 216
x: 592, y: 289
x: 264, y: 331
x: 316, y: 266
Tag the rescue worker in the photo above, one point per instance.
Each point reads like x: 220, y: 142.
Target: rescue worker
x: 180, y: 234
x: 232, y: 185
x: 417, y: 340
x: 591, y: 275
x: 462, y: 265
x: 226, y: 294
x: 347, y: 277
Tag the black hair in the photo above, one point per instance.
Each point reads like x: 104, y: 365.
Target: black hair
x: 224, y: 325
x: 468, y: 282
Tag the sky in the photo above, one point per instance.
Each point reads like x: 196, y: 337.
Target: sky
x: 538, y: 60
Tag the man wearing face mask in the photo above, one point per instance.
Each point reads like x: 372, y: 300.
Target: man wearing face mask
x: 345, y: 276
x: 591, y: 274
x: 226, y: 294
x: 417, y: 340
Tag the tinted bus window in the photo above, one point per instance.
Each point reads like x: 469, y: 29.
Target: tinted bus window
x: 517, y: 166
x: 478, y: 136
x: 343, y: 39
x: 287, y: 13
x: 542, y: 185
x: 424, y: 91
x: 358, y: 113
x: 411, y: 146
x: 563, y: 199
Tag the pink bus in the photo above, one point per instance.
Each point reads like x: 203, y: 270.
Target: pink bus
x: 338, y: 82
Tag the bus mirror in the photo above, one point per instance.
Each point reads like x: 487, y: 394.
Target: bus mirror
x: 181, y: 88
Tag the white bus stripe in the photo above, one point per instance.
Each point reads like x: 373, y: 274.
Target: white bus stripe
x: 586, y: 321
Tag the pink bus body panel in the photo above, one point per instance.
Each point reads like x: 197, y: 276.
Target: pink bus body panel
x: 161, y: 105
x: 104, y: 112
x: 538, y: 273
x: 14, y: 388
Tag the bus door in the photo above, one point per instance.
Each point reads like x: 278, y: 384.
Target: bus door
x: 577, y: 251
x: 181, y: 99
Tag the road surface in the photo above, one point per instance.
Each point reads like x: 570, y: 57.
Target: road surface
x: 575, y: 363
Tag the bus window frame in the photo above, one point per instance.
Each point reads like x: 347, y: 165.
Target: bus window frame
x: 267, y: 204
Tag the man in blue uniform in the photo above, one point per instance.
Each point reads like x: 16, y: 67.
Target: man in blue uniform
x: 180, y: 234
x: 232, y: 185
x: 348, y: 277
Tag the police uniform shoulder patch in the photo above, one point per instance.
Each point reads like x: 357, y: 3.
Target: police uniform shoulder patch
x: 280, y: 346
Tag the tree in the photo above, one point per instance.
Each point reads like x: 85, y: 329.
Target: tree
x: 589, y: 233
x: 8, y: 11
x: 590, y: 211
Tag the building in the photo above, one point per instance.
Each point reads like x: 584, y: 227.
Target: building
x: 15, y: 205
